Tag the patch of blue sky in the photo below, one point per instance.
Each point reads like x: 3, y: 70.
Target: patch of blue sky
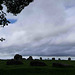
x: 12, y: 20
x: 69, y: 6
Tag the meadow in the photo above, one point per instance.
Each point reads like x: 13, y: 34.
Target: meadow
x: 26, y: 69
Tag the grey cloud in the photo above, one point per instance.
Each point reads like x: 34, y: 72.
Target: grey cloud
x: 43, y: 49
x: 41, y: 28
x: 69, y: 3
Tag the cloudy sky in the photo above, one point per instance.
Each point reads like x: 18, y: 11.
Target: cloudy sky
x: 42, y: 28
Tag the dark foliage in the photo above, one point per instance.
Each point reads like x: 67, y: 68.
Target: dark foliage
x: 61, y: 65
x: 3, y: 20
x: 1, y: 2
x: 2, y: 39
x: 14, y: 7
x: 13, y: 62
x: 18, y: 57
x: 37, y: 63
x: 30, y: 58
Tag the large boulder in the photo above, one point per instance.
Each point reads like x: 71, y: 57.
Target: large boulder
x: 61, y: 65
x: 53, y: 58
x: 13, y: 62
x: 37, y: 63
x: 18, y: 57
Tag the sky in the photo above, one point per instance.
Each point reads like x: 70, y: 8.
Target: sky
x: 42, y: 28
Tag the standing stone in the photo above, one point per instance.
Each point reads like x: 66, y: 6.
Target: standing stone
x: 59, y: 59
x: 69, y: 58
x: 30, y: 58
x: 18, y: 57
x: 53, y: 58
x: 40, y: 58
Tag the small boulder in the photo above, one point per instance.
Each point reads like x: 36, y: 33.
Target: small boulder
x: 61, y: 65
x: 37, y: 63
x: 13, y: 62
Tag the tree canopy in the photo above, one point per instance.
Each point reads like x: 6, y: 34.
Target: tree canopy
x: 14, y: 7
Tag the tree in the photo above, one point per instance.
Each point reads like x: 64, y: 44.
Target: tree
x: 14, y: 7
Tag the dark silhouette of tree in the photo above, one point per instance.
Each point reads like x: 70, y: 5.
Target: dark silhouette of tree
x: 14, y: 7
x: 2, y: 39
x: 3, y: 20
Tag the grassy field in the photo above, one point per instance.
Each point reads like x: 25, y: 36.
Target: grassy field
x: 26, y: 69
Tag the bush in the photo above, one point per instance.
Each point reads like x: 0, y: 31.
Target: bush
x: 37, y: 63
x: 13, y: 62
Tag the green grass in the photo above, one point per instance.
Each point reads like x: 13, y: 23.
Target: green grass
x: 26, y: 69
